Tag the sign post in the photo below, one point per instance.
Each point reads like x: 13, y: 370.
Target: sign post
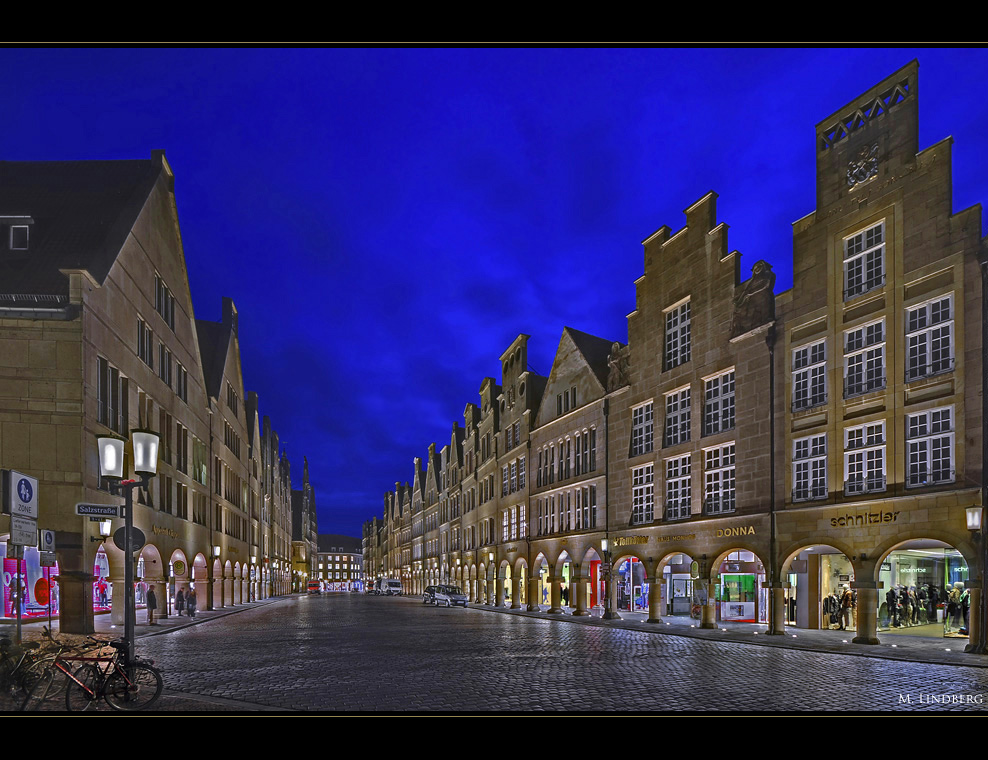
x: 20, y: 501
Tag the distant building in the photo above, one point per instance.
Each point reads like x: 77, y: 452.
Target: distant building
x: 340, y: 563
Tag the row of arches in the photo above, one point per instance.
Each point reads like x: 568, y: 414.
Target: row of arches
x: 917, y: 585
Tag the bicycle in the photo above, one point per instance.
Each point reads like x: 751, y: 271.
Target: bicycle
x: 128, y: 686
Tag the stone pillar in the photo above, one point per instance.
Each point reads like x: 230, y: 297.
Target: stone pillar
x: 578, y: 588
x: 555, y: 596
x: 498, y: 589
x: 516, y: 592
x: 655, y: 601
x: 75, y: 602
x: 708, y: 617
x: 533, y: 591
x: 777, y: 608
x: 974, y: 615
x: 119, y: 599
x: 76, y: 556
x: 867, y: 612
x: 611, y: 611
x: 161, y: 596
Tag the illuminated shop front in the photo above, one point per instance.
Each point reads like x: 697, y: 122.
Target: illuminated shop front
x: 924, y: 591
x: 632, y: 586
x: 681, y: 592
x: 39, y: 585
x: 741, y: 593
x: 820, y: 593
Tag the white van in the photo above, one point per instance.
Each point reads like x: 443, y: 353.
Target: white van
x: 390, y: 587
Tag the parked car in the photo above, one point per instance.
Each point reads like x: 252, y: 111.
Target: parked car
x: 429, y: 595
x: 389, y: 587
x: 456, y: 595
x: 314, y: 588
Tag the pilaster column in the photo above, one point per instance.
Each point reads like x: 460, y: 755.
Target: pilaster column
x: 974, y: 616
x: 867, y: 609
x: 161, y: 596
x: 75, y: 602
x: 118, y: 596
x: 498, y: 589
x: 516, y: 592
x: 611, y: 613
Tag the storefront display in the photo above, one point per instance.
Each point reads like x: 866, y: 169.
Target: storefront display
x: 39, y: 585
x: 924, y: 592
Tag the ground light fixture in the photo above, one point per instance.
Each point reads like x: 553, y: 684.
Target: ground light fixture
x: 111, y: 450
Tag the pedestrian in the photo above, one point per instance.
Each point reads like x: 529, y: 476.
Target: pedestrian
x: 180, y: 602
x: 152, y: 604
x: 190, y: 602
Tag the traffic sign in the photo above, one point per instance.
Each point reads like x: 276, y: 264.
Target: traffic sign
x: 23, y: 531
x: 46, y: 541
x: 97, y: 510
x: 137, y: 539
x: 20, y: 494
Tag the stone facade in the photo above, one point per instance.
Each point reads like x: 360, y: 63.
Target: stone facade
x: 98, y: 335
x: 757, y: 452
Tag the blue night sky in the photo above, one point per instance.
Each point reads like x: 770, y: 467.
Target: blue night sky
x: 388, y: 221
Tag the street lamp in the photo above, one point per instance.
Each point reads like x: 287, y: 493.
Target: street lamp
x: 111, y: 463
x: 491, y: 595
x: 609, y: 614
x: 975, y: 524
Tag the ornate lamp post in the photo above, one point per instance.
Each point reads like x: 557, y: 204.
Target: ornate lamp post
x: 111, y: 465
x: 976, y: 525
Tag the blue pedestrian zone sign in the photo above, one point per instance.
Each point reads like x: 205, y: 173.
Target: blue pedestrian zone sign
x: 20, y: 494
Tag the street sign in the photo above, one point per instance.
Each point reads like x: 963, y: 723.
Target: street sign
x: 47, y: 559
x: 137, y: 539
x: 46, y: 542
x: 23, y: 531
x: 102, y: 511
x: 20, y: 494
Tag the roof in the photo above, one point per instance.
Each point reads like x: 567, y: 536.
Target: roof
x: 595, y: 350
x: 333, y: 542
x: 81, y: 213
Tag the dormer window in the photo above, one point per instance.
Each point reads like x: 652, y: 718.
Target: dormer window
x: 19, y: 237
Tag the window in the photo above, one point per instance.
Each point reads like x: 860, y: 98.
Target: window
x: 165, y: 364
x: 864, y: 350
x: 718, y: 405
x: 182, y: 382
x: 164, y: 302
x: 809, y: 468
x: 930, y: 447
x: 19, y: 237
x: 641, y: 429
x: 679, y: 488
x: 677, y: 345
x: 809, y: 376
x: 232, y: 399
x: 678, y: 417
x: 588, y: 504
x: 929, y: 348
x: 719, y: 480
x: 112, y: 397
x: 145, y: 343
x: 864, y: 261
x: 642, y: 495
x: 864, y: 459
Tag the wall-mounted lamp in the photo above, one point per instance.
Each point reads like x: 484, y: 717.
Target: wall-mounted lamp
x: 973, y: 518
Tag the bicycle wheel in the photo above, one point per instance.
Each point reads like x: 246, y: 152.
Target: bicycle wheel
x: 36, y: 669
x: 39, y: 689
x: 83, y: 696
x: 133, y: 687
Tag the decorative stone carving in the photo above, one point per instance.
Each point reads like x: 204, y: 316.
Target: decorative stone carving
x: 754, y: 300
x: 864, y: 166
x: 618, y: 361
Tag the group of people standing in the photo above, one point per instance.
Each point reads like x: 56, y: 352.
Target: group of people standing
x: 187, y: 601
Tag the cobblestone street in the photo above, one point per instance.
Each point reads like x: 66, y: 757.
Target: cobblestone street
x: 354, y: 653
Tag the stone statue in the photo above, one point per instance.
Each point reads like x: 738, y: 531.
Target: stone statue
x: 754, y: 300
